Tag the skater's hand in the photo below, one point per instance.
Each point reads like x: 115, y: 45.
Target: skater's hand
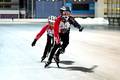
x: 80, y: 29
x: 57, y: 41
x: 33, y: 43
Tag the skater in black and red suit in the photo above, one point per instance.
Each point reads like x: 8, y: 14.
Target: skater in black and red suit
x: 50, y: 38
x: 61, y: 33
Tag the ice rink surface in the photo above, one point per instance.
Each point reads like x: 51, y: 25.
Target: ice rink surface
x: 91, y: 55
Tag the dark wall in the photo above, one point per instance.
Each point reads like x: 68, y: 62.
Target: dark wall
x: 46, y: 8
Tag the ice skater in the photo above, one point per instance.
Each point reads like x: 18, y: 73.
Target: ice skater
x: 50, y: 38
x: 61, y: 33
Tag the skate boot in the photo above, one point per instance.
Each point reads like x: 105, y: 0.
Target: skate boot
x: 47, y: 64
x: 56, y: 58
x: 57, y: 63
x: 42, y: 59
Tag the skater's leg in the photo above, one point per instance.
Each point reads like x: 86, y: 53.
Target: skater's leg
x: 56, y: 56
x: 45, y: 52
x: 47, y: 47
x: 53, y: 52
x: 55, y: 47
x: 65, y: 40
x: 51, y: 43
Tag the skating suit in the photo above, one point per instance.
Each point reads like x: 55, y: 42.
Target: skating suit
x: 61, y: 27
x: 64, y: 27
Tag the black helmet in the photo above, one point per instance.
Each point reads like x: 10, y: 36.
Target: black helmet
x: 64, y: 8
x: 68, y: 9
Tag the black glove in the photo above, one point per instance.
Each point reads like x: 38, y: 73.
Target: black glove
x: 33, y: 43
x: 81, y: 28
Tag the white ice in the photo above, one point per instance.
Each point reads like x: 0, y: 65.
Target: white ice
x: 91, y: 55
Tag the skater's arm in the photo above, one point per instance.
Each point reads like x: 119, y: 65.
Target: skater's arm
x: 42, y: 31
x: 75, y: 23
x: 39, y: 35
x: 56, y: 30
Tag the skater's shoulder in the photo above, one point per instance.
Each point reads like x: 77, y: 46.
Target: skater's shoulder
x: 59, y: 17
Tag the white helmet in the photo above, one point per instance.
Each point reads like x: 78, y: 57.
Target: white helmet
x: 51, y: 18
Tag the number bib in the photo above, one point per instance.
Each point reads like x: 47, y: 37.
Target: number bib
x: 64, y: 27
